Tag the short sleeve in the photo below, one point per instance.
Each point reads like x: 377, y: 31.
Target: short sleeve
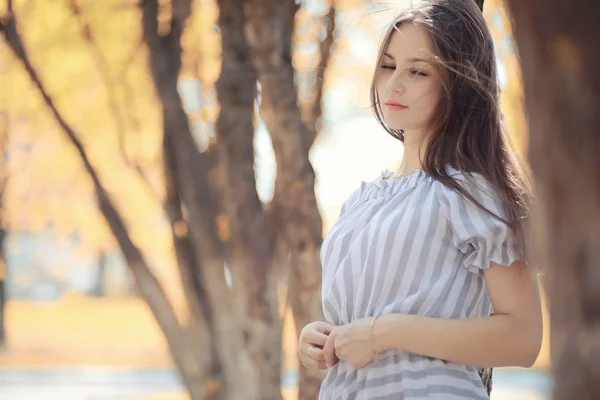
x: 481, y: 237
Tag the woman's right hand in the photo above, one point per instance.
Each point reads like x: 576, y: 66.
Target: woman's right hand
x: 311, y: 342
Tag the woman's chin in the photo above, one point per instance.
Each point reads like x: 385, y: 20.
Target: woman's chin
x: 395, y: 124
x: 395, y: 127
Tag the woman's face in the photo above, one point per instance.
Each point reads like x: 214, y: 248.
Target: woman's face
x: 407, y: 82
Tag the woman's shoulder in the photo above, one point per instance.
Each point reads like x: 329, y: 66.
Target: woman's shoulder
x: 473, y: 186
x: 474, y: 183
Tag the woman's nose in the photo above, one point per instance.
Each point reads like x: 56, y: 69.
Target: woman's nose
x: 395, y: 84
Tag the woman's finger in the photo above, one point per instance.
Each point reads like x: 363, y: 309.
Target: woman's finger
x: 329, y: 350
x: 324, y: 327
x: 311, y: 363
x: 317, y: 354
x: 315, y: 338
x: 317, y: 365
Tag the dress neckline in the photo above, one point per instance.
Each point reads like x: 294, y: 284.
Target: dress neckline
x: 389, y: 175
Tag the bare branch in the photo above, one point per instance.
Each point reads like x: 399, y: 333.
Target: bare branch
x: 129, y: 61
x: 110, y: 84
x: 124, y: 82
x: 105, y: 75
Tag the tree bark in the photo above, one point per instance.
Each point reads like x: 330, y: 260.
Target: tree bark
x: 269, y: 32
x: 198, y: 328
x: 254, y: 283
x: 239, y: 376
x: 558, y: 45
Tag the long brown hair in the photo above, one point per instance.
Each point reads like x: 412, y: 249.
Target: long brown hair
x: 467, y: 131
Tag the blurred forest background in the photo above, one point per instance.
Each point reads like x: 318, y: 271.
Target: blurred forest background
x: 97, y: 81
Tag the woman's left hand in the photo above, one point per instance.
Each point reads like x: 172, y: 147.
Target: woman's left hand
x: 351, y: 343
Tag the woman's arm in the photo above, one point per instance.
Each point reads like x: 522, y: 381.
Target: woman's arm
x: 511, y: 337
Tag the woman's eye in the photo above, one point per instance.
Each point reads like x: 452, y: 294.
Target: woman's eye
x: 388, y: 67
x: 416, y: 72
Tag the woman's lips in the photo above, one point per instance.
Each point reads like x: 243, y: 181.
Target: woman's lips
x: 393, y: 106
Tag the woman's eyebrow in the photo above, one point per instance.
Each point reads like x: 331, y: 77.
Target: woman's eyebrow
x: 425, y: 60
x: 410, y: 60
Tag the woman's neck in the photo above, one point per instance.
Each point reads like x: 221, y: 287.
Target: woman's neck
x: 412, y: 157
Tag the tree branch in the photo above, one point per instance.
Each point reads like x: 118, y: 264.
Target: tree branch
x: 129, y: 99
x: 105, y: 75
x: 110, y: 84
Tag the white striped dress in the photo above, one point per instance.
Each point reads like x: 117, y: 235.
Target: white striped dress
x: 411, y: 245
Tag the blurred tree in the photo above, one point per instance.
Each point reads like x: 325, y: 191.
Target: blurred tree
x: 148, y: 285
x: 210, y: 198
x: 294, y: 210
x: 558, y: 45
x: 249, y: 354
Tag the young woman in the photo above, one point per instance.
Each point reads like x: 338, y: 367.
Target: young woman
x: 418, y: 259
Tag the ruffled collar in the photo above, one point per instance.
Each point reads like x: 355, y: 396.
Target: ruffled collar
x: 385, y: 185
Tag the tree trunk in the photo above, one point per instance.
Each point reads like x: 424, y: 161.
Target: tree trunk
x: 199, y: 329
x: 269, y: 31
x: 239, y: 376
x: 251, y: 254
x: 558, y: 45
